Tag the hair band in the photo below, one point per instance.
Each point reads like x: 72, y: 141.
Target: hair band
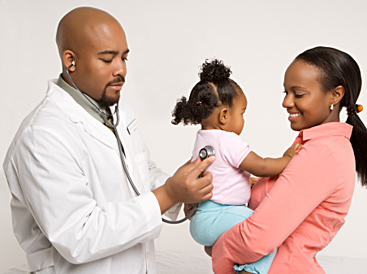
x: 354, y: 110
x: 199, y: 103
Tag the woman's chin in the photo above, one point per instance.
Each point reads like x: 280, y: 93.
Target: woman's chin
x: 296, y: 127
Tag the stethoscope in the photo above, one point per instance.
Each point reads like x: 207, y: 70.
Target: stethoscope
x: 119, y: 144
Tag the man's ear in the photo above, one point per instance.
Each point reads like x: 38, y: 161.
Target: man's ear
x: 223, y: 116
x: 337, y: 95
x: 68, y: 57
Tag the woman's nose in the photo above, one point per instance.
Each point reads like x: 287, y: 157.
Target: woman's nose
x: 288, y: 101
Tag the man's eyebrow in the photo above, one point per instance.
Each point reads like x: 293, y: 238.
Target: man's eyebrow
x: 114, y: 52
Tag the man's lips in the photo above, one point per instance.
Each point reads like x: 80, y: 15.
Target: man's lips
x: 116, y: 86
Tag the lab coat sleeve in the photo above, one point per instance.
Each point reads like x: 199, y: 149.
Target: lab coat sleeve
x: 158, y: 178
x: 296, y: 193
x: 57, y: 195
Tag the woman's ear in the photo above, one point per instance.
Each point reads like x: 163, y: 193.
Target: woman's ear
x: 68, y: 57
x: 337, y: 95
x: 223, y: 116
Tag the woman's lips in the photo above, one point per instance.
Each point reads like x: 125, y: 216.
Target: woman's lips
x: 293, y: 116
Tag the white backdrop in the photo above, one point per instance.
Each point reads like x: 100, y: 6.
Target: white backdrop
x: 168, y: 42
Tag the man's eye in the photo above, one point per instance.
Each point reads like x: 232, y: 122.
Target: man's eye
x: 124, y: 59
x: 107, y: 60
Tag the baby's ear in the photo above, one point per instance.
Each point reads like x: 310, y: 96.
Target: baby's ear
x: 223, y: 116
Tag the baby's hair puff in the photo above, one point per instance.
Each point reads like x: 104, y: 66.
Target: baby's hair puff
x: 215, y: 88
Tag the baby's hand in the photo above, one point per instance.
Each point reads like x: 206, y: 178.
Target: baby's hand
x: 292, y: 150
x: 253, y: 180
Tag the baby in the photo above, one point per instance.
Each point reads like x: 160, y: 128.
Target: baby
x: 218, y: 104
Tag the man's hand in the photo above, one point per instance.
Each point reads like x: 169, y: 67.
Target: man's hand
x: 188, y: 208
x: 185, y: 186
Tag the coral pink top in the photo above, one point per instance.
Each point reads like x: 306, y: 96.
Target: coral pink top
x: 300, y: 211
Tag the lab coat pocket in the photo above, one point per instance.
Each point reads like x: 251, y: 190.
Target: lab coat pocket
x: 141, y: 160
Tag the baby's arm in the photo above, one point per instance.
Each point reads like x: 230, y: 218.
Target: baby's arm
x: 268, y: 167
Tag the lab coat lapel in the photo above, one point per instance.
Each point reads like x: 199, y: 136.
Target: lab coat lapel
x: 128, y: 145
x: 78, y: 114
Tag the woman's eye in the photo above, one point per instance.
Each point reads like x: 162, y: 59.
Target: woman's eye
x: 124, y: 59
x: 298, y: 95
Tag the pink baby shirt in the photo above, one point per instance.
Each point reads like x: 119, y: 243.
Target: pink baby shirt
x: 231, y: 184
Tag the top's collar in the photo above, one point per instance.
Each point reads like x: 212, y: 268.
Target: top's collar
x: 327, y: 129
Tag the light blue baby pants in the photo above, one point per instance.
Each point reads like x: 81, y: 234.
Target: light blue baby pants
x: 213, y: 219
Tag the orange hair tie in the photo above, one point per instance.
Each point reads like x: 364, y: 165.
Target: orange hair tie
x: 354, y: 110
x: 359, y: 108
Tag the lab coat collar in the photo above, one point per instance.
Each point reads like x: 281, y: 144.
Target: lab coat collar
x: 77, y: 114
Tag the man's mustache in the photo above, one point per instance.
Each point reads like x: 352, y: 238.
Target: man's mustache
x: 118, y: 79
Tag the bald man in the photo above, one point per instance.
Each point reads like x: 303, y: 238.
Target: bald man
x: 73, y: 208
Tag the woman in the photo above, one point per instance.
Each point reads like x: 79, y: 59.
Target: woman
x: 301, y: 211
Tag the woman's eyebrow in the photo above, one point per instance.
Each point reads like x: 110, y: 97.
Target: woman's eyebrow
x: 297, y: 87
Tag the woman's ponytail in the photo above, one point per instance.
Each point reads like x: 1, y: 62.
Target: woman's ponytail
x: 359, y: 144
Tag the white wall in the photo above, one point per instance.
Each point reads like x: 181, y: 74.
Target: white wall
x: 168, y: 42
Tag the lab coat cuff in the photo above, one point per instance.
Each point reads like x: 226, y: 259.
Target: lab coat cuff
x: 152, y: 211
x: 173, y: 212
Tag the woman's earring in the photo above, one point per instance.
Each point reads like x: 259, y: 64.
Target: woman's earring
x: 331, y: 107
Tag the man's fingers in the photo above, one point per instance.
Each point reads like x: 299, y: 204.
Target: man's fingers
x: 201, y: 166
x: 190, y: 165
x: 195, y: 168
x: 206, y: 180
x: 206, y: 187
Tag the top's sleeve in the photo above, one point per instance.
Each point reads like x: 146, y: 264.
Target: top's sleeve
x: 296, y: 193
x: 234, y: 149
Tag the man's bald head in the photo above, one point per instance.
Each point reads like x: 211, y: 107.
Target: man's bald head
x: 96, y: 43
x: 80, y: 27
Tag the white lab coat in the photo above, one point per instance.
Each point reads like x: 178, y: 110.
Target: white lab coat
x: 73, y: 209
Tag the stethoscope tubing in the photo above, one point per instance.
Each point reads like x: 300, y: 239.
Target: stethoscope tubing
x: 119, y: 144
